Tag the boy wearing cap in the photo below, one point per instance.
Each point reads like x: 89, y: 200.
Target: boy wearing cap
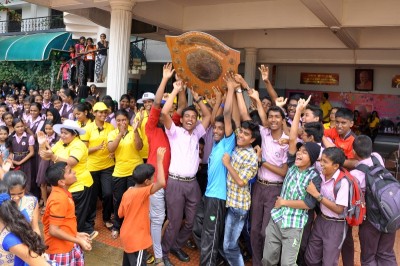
x: 285, y: 228
x: 100, y: 163
x: 142, y: 117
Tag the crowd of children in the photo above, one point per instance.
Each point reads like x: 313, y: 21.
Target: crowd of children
x: 270, y: 173
x: 86, y: 62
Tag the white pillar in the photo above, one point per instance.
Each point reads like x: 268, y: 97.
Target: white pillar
x: 250, y: 66
x: 118, y: 54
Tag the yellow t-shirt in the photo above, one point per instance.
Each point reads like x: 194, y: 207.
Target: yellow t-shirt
x: 327, y: 125
x: 374, y: 122
x: 144, y: 152
x: 325, y: 107
x: 79, y: 151
x: 98, y: 160
x: 126, y: 155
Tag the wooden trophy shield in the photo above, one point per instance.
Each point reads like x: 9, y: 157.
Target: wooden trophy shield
x: 202, y: 60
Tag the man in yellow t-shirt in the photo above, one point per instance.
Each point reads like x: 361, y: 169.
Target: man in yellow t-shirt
x: 147, y: 100
x: 326, y: 107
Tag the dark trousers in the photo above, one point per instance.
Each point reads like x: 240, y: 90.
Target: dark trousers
x: 202, y: 178
x: 181, y: 197
x: 121, y: 184
x: 324, y: 242
x: 262, y: 202
x: 135, y: 258
x: 304, y: 238
x: 208, y: 229
x: 348, y: 248
x: 102, y: 187
x: 82, y: 205
x: 376, y: 247
x: 89, y: 65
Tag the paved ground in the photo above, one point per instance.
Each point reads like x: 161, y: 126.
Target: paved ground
x: 107, y: 251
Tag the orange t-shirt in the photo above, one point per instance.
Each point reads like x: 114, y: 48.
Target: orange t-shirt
x: 60, y: 210
x: 346, y: 143
x: 135, y: 229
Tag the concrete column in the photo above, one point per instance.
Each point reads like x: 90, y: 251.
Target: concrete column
x: 118, y: 54
x: 250, y: 66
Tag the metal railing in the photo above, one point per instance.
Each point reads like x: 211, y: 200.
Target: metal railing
x: 32, y: 24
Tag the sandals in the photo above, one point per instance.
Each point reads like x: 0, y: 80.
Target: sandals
x: 114, y: 233
x: 108, y: 224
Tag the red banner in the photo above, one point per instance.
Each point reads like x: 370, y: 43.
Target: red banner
x: 386, y: 105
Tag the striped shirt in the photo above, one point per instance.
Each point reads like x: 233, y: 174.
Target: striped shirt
x: 294, y: 188
x: 245, y: 163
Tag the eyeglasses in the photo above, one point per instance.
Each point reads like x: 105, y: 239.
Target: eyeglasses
x: 292, y: 105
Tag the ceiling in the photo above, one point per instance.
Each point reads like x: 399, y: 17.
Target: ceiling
x: 285, y: 31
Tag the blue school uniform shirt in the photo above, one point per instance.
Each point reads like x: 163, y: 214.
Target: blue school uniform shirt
x: 8, y: 240
x: 216, y: 186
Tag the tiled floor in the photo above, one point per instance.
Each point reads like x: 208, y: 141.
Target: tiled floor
x: 107, y: 251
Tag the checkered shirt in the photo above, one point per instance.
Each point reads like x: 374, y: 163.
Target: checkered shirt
x: 294, y: 188
x: 245, y: 163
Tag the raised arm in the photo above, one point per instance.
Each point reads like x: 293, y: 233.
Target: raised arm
x: 301, y: 105
x: 217, y: 109
x: 244, y: 114
x: 253, y: 94
x: 264, y: 71
x: 182, y: 100
x: 206, y: 114
x: 167, y: 120
x: 230, y: 82
x: 167, y: 74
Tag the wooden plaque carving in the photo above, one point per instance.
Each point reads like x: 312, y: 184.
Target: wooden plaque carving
x: 202, y: 60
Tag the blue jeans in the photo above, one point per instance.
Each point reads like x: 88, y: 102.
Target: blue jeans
x: 235, y: 219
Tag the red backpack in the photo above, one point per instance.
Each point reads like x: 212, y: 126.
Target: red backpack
x: 357, y: 209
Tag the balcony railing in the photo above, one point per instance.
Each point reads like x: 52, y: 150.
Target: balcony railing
x: 32, y: 24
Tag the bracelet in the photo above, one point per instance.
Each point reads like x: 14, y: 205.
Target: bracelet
x: 222, y: 105
x: 199, y: 99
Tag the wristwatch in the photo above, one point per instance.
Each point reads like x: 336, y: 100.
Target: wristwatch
x: 239, y: 90
x: 320, y: 197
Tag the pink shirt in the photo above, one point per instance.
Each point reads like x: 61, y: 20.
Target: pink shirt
x: 327, y: 190
x: 273, y: 153
x: 39, y: 121
x: 31, y: 140
x: 184, y: 150
x: 360, y: 175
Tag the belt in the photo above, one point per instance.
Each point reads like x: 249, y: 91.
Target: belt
x: 332, y: 218
x: 21, y: 153
x: 181, y: 178
x: 267, y: 183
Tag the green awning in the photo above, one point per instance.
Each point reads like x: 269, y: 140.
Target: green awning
x: 35, y: 47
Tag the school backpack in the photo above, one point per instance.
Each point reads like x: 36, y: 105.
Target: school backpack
x: 382, y: 197
x: 356, y: 208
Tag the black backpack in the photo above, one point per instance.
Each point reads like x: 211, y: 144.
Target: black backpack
x: 382, y: 197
